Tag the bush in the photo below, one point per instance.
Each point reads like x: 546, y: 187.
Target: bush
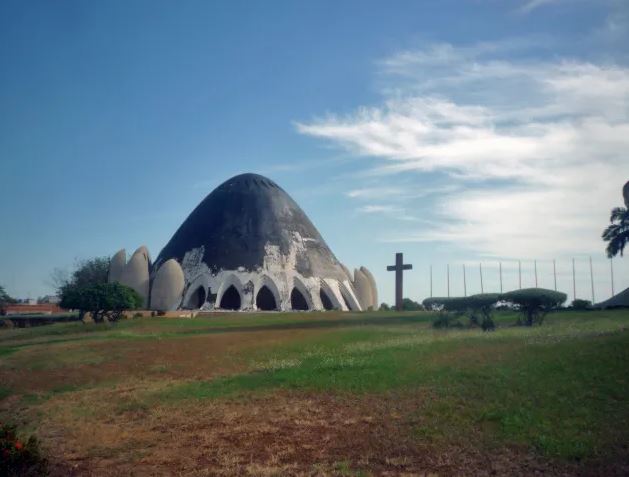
x: 447, y: 320
x: 384, y: 307
x: 478, y: 308
x: 18, y: 458
x: 410, y: 305
x: 579, y: 304
x: 104, y: 301
x: 535, y: 303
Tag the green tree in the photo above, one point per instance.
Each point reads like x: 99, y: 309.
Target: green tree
x: 617, y: 233
x: 104, y: 301
x: 5, y: 300
x: 534, y: 303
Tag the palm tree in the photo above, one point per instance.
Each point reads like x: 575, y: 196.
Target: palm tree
x: 617, y: 234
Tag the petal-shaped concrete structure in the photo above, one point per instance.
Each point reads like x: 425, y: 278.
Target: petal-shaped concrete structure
x: 363, y: 289
x: 117, y: 266
x: 374, y: 289
x: 248, y: 228
x: 136, y: 273
x: 167, y: 287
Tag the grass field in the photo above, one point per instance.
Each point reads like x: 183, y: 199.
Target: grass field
x: 323, y: 394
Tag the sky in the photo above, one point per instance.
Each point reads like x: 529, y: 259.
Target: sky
x: 461, y: 133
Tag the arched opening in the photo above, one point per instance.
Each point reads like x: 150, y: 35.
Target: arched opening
x: 230, y: 299
x: 197, y: 299
x: 298, y: 300
x: 265, y: 299
x: 345, y: 301
x: 325, y: 300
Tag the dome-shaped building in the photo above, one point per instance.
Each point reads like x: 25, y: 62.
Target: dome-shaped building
x: 249, y: 246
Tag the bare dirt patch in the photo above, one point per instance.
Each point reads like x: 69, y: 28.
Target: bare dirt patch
x: 280, y: 434
x: 93, y: 362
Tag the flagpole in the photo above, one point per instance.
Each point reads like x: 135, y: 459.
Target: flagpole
x: 480, y: 268
x: 592, y: 280
x: 574, y: 281
x: 520, y: 274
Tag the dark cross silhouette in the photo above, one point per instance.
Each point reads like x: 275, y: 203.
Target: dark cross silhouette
x: 399, y: 268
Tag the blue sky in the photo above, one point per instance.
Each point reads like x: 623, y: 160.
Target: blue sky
x: 456, y: 132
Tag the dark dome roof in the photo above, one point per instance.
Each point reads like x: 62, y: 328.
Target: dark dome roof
x: 239, y: 218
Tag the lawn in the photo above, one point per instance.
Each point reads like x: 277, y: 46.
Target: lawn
x: 323, y: 394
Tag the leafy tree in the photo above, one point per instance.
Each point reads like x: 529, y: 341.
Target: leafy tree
x: 410, y: 305
x: 580, y: 304
x: 384, y: 307
x: 617, y: 233
x: 535, y: 303
x: 104, y: 301
x: 5, y: 300
x: 478, y: 308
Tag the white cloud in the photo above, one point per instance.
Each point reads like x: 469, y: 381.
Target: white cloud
x: 541, y: 146
x: 531, y: 5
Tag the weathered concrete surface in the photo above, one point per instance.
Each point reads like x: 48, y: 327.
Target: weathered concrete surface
x: 117, y: 266
x: 374, y: 288
x: 136, y: 274
x: 167, y: 288
x: 363, y: 289
x: 249, y: 233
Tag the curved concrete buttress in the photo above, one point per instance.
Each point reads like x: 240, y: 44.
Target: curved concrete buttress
x: 136, y: 274
x: 350, y: 277
x: 167, y: 288
x: 117, y: 265
x: 374, y: 288
x: 363, y: 289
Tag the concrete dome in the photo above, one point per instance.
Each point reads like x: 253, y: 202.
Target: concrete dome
x: 248, y: 245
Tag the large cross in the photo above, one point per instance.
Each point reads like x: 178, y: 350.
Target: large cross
x: 399, y: 268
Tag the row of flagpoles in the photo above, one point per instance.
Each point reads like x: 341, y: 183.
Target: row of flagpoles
x: 480, y: 271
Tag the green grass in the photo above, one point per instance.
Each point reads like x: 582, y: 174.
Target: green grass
x: 561, y: 389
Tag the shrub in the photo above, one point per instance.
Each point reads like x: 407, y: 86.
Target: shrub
x: 104, y: 301
x: 384, y: 307
x: 478, y: 308
x: 447, y: 320
x: 18, y: 458
x: 579, y: 304
x: 410, y: 305
x: 535, y: 303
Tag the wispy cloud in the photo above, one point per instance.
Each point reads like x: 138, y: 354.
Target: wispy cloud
x: 531, y: 5
x: 539, y: 145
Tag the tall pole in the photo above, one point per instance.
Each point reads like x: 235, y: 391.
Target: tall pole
x: 535, y: 267
x: 592, y: 280
x: 574, y: 281
x: 480, y: 269
x: 431, y: 281
x: 555, y: 273
x: 611, y: 269
x: 500, y: 271
x: 448, y: 273
x: 520, y: 274
x: 464, y: 282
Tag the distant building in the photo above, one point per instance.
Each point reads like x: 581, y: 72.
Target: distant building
x: 49, y: 300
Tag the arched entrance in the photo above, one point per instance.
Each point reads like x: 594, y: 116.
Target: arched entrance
x: 197, y: 299
x: 230, y: 299
x: 325, y: 300
x: 265, y: 299
x: 298, y: 300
